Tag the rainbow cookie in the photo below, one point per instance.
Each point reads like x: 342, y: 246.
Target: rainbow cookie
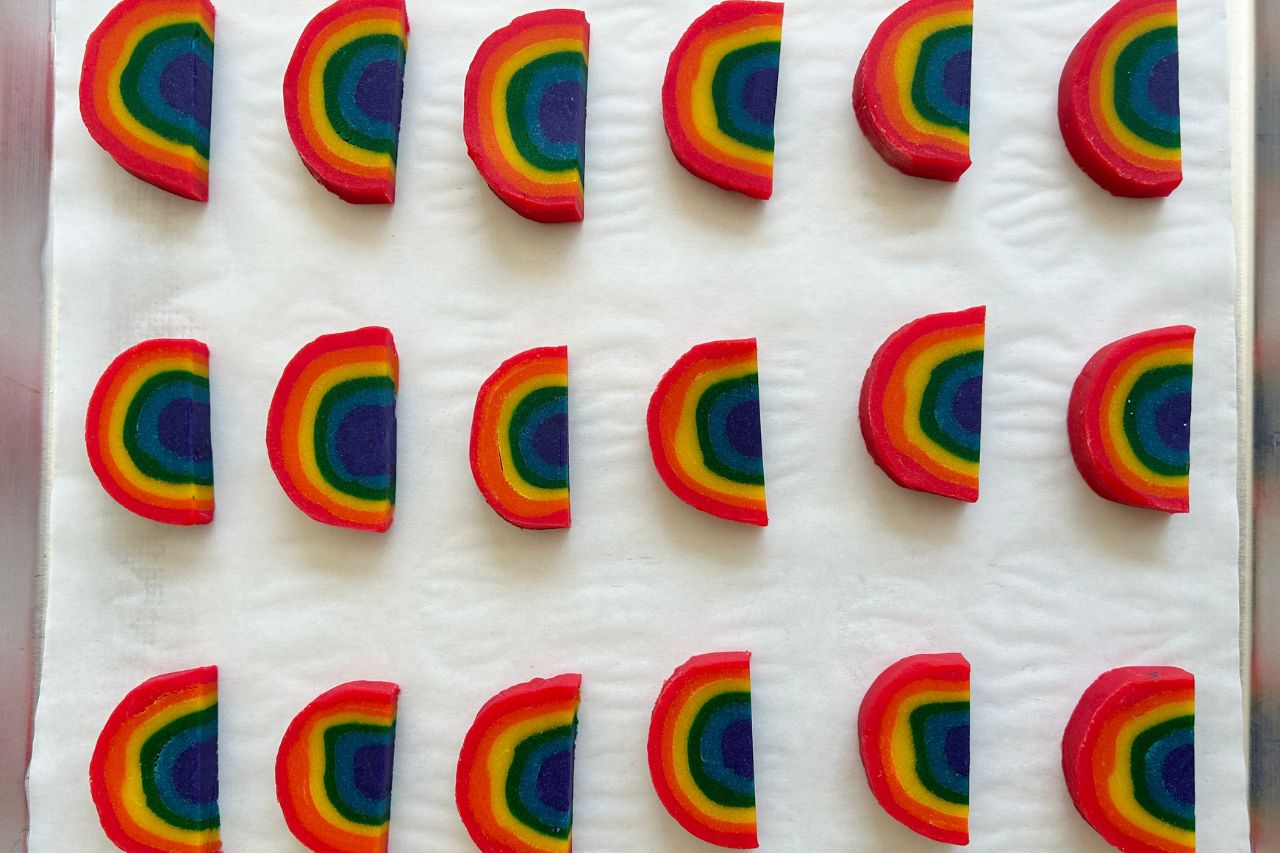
x: 704, y: 431
x: 515, y: 774
x: 921, y: 404
x: 520, y: 439
x: 720, y: 93
x: 154, y: 772
x: 911, y: 92
x: 1118, y: 100
x: 342, y: 95
x: 147, y: 431
x: 1130, y: 420
x: 333, y: 771
x: 1128, y: 755
x: 701, y: 757
x: 146, y: 88
x: 331, y: 431
x: 525, y: 114
x: 913, y: 734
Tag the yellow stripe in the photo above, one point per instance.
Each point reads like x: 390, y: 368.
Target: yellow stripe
x: 1120, y: 783
x: 336, y: 145
x: 131, y: 791
x: 498, y: 766
x: 679, y: 756
x: 915, y: 381
x: 116, y: 100
x: 501, y: 122
x: 702, y: 109
x: 687, y: 447
x: 1108, y: 91
x: 509, y: 404
x: 316, y: 763
x: 1114, y: 414
x: 307, y: 428
x: 905, y: 60
x: 902, y: 750
x: 115, y: 432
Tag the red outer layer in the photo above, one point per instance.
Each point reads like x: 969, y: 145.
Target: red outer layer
x: 1132, y: 683
x: 696, y: 667
x: 689, y: 156
x: 539, y: 691
x: 135, y: 702
x: 539, y: 210
x: 871, y: 716
x: 362, y: 692
x: 1087, y: 447
x: 341, y: 184
x: 141, y: 167
x: 1078, y: 131
x: 185, y: 518
x: 902, y: 470
x: 916, y: 161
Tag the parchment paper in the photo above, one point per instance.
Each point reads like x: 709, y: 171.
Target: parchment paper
x: 1042, y: 584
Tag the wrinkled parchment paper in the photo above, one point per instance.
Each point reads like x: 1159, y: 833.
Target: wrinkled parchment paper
x: 1042, y: 584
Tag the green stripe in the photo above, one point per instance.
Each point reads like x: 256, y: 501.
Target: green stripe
x: 720, y: 94
x: 146, y: 464
x: 518, y: 95
x: 714, y: 791
x: 525, y: 409
x: 130, y: 87
x: 1149, y: 383
x: 334, y: 70
x: 1138, y: 769
x: 929, y: 403
x: 702, y: 417
x: 918, y: 721
x: 331, y: 737
x: 150, y: 754
x: 324, y: 463
x: 920, y: 81
x: 516, y: 770
x: 1126, y: 65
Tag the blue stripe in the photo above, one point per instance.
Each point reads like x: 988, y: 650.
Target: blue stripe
x: 164, y: 773
x: 153, y: 96
x: 711, y: 749
x: 148, y: 435
x: 546, y: 77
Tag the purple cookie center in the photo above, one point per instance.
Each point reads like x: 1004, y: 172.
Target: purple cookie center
x: 956, y: 750
x: 195, y: 772
x: 967, y: 406
x: 1162, y: 85
x: 184, y: 429
x: 1173, y: 421
x: 186, y: 84
x: 549, y: 440
x: 743, y: 428
x: 364, y: 441
x: 736, y: 745
x: 760, y: 94
x: 370, y: 770
x: 956, y: 76
x: 378, y: 90
x: 1179, y: 774
x: 559, y: 112
x: 555, y: 781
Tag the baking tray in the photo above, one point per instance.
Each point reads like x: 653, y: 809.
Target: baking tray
x: 26, y: 97
x: 25, y: 137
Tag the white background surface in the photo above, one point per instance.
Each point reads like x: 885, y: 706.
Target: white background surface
x: 1041, y: 584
